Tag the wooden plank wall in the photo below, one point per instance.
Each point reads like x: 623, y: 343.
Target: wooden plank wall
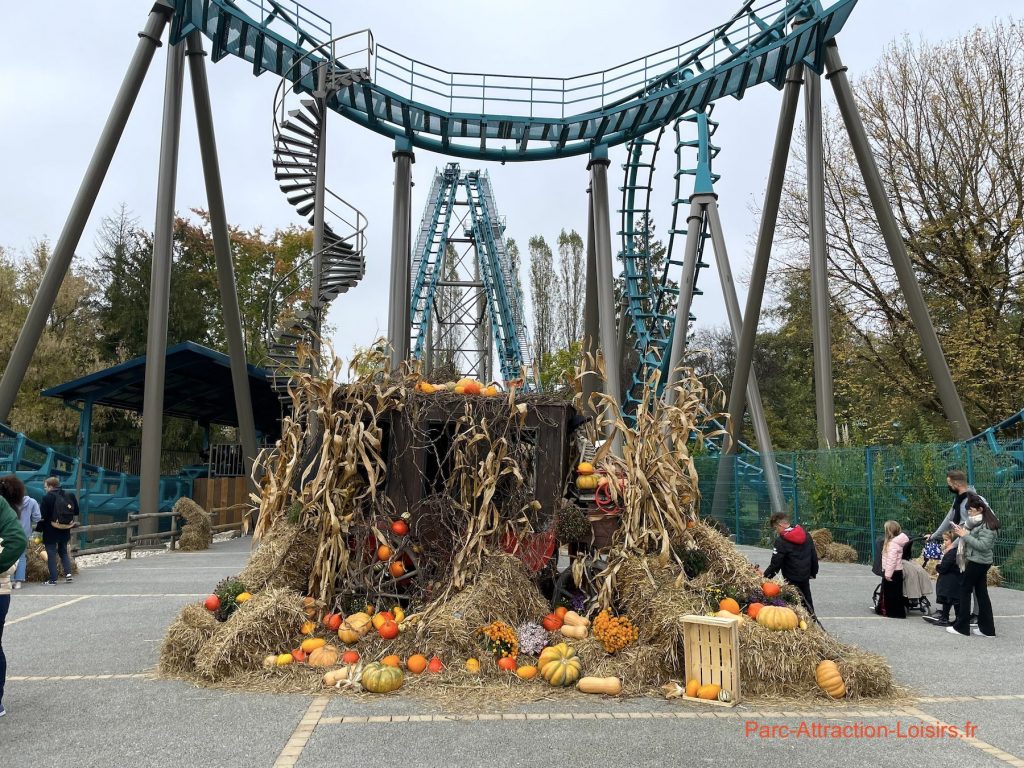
x: 220, y: 493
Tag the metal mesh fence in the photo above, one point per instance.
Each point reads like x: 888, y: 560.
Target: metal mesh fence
x: 853, y: 491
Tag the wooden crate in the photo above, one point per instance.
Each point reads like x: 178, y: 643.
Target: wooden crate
x: 711, y: 655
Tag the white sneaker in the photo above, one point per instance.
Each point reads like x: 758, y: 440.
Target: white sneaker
x: 978, y: 633
x: 952, y: 631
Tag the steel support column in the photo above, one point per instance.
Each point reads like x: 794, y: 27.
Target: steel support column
x: 902, y: 265
x: 319, y: 203
x: 160, y: 285
x: 591, y: 317
x: 398, y: 308
x: 684, y: 299
x: 81, y: 208
x: 732, y: 308
x: 222, y: 252
x: 758, y: 278
x: 598, y: 167
x: 824, y: 395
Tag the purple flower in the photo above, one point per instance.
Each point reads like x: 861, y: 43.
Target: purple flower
x: 533, y: 638
x: 578, y: 601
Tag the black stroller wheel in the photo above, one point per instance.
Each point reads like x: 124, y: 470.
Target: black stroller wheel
x: 924, y: 605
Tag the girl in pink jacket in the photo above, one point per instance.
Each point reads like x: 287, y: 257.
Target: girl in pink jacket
x: 892, y: 603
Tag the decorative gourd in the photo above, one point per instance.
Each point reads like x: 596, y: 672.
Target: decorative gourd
x: 284, y: 659
x: 559, y: 665
x: 692, y: 687
x: 383, y: 552
x: 310, y: 644
x: 609, y: 686
x: 308, y: 628
x: 490, y: 391
x: 586, y: 482
x: 349, y: 657
x: 299, y: 655
x: 399, y: 527
x: 435, y: 665
x: 574, y: 619
x: 391, y: 661
x: 552, y: 622
x: 309, y: 607
x: 778, y: 618
x: 753, y: 609
x: 560, y: 612
x: 507, y: 663
x: 527, y: 672
x: 771, y: 589
x: 332, y: 621
x: 728, y: 604
x: 243, y: 597
x: 388, y: 630
x: 399, y: 614
x: 212, y: 604
x: 378, y: 678
x: 396, y: 569
x: 354, y: 627
x: 269, y: 662
x: 829, y: 680
x: 416, y: 663
x: 728, y: 615
x: 724, y: 696
x: 324, y: 656
x: 574, y: 632
x: 379, y: 618
x: 336, y: 676
x: 803, y: 624
x: 709, y: 691
x: 473, y: 666
x: 585, y: 468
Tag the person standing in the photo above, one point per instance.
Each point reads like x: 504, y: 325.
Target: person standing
x: 30, y: 515
x: 956, y: 484
x: 947, y: 588
x: 893, y: 604
x: 794, y: 555
x: 12, y: 545
x: 974, y: 555
x: 58, y: 510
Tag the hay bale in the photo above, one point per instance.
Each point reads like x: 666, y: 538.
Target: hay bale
x: 503, y: 591
x: 994, y: 577
x: 821, y: 537
x: 196, y: 534
x: 840, y: 553
x: 284, y: 559
x: 189, y: 632
x: 37, y: 570
x: 268, y: 623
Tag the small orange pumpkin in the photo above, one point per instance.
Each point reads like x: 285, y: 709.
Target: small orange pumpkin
x: 507, y: 663
x: 753, y: 609
x: 383, y: 552
x: 728, y: 604
x: 391, y: 661
x: 771, y: 589
x: 397, y: 570
x: 388, y: 630
x: 435, y: 665
x: 349, y: 657
x: 416, y: 663
x: 552, y: 622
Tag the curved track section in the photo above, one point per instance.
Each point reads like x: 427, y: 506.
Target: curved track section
x: 515, y: 118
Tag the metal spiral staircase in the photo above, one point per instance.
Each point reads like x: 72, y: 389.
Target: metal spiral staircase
x: 299, y: 298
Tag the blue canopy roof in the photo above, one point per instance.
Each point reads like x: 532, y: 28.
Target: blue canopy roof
x: 197, y: 385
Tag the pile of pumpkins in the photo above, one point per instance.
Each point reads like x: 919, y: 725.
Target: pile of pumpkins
x: 774, y: 617
x: 460, y: 387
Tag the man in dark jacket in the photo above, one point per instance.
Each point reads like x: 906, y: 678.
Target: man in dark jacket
x: 57, y: 534
x: 794, y: 555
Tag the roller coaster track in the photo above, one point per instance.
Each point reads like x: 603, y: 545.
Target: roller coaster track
x: 484, y: 229
x: 519, y: 118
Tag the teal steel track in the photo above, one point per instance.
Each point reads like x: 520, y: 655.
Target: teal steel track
x: 519, y: 118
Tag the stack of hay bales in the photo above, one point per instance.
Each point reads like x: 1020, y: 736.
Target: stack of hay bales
x: 37, y: 569
x: 831, y: 550
x: 196, y: 534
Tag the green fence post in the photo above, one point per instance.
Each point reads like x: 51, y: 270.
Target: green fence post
x: 736, y: 493
x: 869, y: 466
x: 970, y: 464
x: 796, y: 488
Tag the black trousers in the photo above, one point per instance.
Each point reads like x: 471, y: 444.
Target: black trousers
x: 974, y: 582
x: 893, y: 604
x: 805, y: 593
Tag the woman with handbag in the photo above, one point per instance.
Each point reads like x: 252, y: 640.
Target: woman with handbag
x: 12, y: 545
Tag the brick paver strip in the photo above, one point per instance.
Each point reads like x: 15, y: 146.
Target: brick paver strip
x: 300, y: 736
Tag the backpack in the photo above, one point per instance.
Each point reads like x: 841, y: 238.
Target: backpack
x: 65, y: 508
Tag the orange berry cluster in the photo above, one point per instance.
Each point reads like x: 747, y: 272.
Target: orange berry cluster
x: 500, y: 639
x: 614, y: 632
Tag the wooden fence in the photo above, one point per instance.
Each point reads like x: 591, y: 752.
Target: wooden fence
x: 133, y: 538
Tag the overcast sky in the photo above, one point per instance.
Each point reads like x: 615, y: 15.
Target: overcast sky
x: 63, y: 61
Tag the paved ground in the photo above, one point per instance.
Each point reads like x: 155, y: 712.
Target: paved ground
x: 78, y: 693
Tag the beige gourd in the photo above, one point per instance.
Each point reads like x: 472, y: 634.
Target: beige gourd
x: 609, y: 686
x: 574, y: 632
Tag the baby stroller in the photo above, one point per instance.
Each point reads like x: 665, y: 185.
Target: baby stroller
x: 917, y: 584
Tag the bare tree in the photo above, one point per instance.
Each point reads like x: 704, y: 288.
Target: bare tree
x: 572, y: 279
x: 544, y: 294
x: 945, y: 123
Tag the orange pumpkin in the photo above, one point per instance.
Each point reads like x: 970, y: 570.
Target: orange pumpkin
x: 383, y: 552
x: 332, y: 621
x: 472, y: 387
x: 728, y: 604
x: 560, y: 611
x: 692, y: 686
x: 753, y: 609
x: 552, y: 622
x: 709, y: 691
x: 308, y: 628
x: 349, y: 657
x: 400, y: 528
x: 299, y: 655
x: 416, y: 663
x: 397, y: 570
x: 325, y: 656
x: 391, y: 661
x: 388, y: 630
x: 771, y: 589
x: 435, y: 665
x: 507, y: 663
x: 526, y: 673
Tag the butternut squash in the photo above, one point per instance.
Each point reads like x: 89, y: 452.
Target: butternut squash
x: 574, y: 619
x: 609, y: 686
x: 576, y: 632
x: 709, y: 691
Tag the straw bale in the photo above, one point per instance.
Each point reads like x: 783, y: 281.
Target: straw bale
x: 821, y: 537
x: 196, y: 534
x: 36, y: 569
x: 283, y: 559
x: 189, y: 632
x: 265, y: 624
x: 840, y: 553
